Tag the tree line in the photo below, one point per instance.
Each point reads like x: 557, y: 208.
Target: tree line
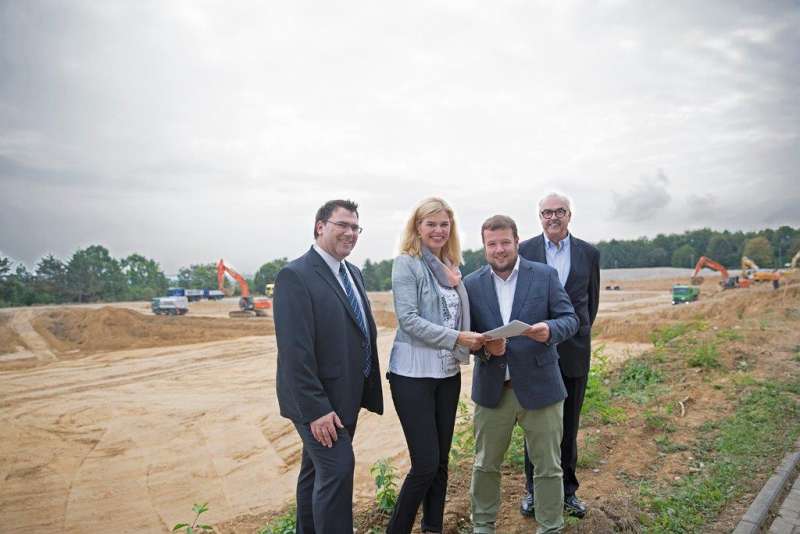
x: 93, y: 275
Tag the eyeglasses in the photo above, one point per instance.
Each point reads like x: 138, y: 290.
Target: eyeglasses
x: 346, y: 226
x: 559, y: 213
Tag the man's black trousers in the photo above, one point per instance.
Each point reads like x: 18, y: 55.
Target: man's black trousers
x: 576, y: 389
x: 325, y: 484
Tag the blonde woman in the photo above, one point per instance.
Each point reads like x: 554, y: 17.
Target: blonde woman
x: 433, y: 339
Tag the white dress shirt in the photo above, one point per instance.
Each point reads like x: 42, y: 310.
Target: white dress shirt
x: 334, y: 264
x: 558, y: 257
x: 506, y: 289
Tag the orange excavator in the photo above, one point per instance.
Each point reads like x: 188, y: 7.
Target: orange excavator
x: 727, y: 282
x: 248, y: 305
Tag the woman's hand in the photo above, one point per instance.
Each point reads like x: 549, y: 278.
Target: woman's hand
x: 472, y: 340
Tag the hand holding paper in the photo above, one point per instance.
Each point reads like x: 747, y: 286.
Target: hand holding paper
x: 539, y: 332
x: 514, y: 328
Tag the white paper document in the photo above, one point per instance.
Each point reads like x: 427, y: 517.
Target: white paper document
x: 514, y: 328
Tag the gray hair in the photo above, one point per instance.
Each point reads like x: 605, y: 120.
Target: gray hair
x: 563, y: 198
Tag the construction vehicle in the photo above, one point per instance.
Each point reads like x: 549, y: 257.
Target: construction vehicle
x: 683, y: 294
x: 727, y: 282
x: 170, y: 305
x: 249, y: 306
x: 755, y: 273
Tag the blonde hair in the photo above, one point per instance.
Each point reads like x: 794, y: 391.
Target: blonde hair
x: 411, y: 243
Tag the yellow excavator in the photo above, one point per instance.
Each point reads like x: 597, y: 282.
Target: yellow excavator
x: 751, y: 270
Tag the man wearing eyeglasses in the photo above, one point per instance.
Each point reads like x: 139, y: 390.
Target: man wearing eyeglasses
x: 578, y: 266
x: 327, y: 366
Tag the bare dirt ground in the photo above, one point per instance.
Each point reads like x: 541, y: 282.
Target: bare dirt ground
x: 116, y: 420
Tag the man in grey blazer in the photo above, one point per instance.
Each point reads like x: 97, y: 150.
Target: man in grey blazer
x: 517, y: 381
x: 327, y: 366
x: 578, y: 266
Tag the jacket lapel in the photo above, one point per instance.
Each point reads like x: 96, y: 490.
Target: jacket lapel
x: 490, y: 295
x: 537, y: 246
x: 325, y: 272
x: 524, y: 279
x: 574, y: 259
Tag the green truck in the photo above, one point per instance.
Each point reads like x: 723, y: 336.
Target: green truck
x: 683, y: 294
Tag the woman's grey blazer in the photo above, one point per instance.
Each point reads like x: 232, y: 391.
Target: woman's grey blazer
x: 417, y: 304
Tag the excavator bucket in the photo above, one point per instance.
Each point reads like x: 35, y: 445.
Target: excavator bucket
x: 697, y: 280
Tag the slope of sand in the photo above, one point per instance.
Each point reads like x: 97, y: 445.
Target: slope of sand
x: 96, y: 437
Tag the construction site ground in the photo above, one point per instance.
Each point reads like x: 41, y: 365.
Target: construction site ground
x: 113, y: 419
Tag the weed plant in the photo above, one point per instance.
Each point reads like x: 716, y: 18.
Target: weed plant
x: 285, y: 523
x: 385, y: 485
x: 706, y: 356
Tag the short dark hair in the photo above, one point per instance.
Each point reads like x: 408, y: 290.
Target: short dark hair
x: 326, y: 210
x: 499, y: 222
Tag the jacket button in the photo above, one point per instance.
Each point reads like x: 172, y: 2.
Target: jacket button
x: 502, y: 365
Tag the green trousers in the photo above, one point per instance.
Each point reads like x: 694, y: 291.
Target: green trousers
x: 493, y: 428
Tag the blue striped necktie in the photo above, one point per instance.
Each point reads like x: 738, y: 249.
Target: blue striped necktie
x: 351, y: 298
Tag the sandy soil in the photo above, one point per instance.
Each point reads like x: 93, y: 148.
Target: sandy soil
x: 100, y: 436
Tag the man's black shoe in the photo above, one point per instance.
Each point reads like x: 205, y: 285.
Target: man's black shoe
x: 526, y: 507
x: 574, y: 506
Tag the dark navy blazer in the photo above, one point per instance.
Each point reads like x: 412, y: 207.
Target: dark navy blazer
x: 583, y: 288
x: 533, y: 366
x: 320, y: 345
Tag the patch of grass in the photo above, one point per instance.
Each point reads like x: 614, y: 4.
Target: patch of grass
x: 515, y: 455
x: 638, y: 380
x: 764, y: 426
x: 729, y: 334
x: 658, y: 422
x: 705, y: 355
x: 667, y: 446
x: 285, y: 523
x: 463, y: 444
x: 597, y: 406
x: 665, y: 334
x: 589, y: 454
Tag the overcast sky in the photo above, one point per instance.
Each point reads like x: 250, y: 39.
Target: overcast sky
x: 188, y: 131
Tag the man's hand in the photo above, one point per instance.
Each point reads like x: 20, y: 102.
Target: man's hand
x: 538, y: 332
x: 324, y: 429
x: 472, y: 340
x: 495, y: 347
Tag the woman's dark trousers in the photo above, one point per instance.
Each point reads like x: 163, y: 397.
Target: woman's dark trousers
x: 427, y: 411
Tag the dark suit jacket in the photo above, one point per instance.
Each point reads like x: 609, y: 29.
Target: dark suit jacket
x: 320, y: 346
x: 533, y: 366
x: 583, y: 288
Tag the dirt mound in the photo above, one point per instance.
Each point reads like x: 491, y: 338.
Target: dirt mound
x: 108, y: 329
x: 9, y: 339
x: 725, y: 307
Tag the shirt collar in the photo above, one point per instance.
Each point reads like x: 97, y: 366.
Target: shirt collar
x: 332, y: 262
x: 561, y: 244
x: 510, y: 278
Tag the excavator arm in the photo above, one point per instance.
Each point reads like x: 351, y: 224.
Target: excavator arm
x: 223, y: 269
x: 711, y: 264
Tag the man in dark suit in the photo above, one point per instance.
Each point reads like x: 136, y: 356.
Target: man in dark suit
x: 327, y: 366
x: 518, y: 381
x: 578, y: 266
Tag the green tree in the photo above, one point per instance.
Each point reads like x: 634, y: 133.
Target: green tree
x: 759, y: 250
x: 199, y: 276
x: 473, y: 260
x: 51, y: 280
x: 267, y: 273
x: 144, y: 276
x: 684, y: 256
x: 722, y: 250
x: 92, y: 275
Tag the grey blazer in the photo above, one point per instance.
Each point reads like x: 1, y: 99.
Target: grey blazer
x: 417, y: 304
x: 533, y: 366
